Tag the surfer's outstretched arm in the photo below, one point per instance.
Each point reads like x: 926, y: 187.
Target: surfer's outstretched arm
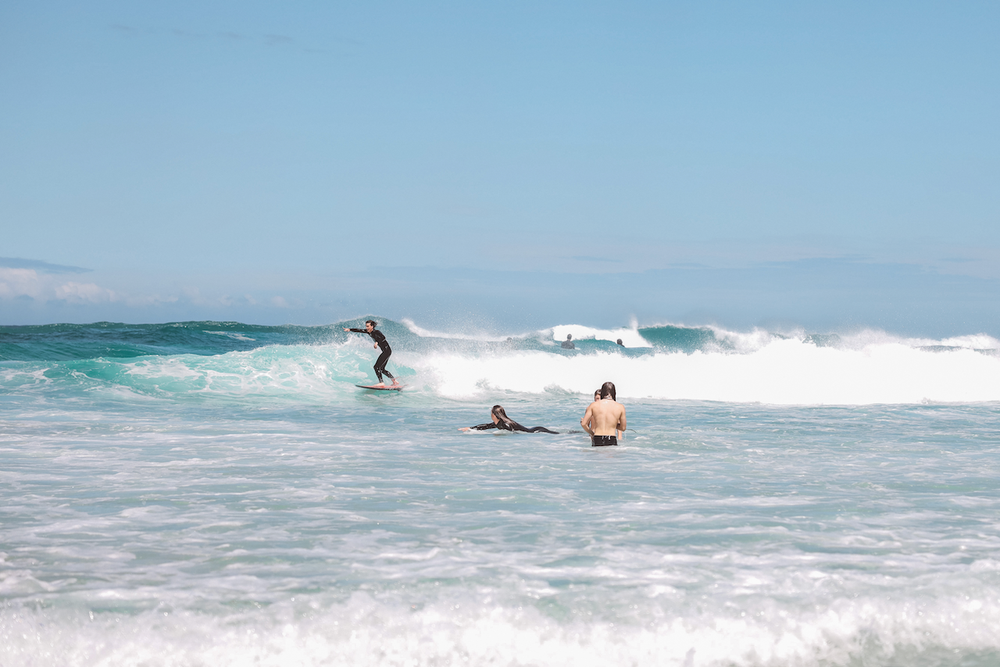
x: 479, y: 427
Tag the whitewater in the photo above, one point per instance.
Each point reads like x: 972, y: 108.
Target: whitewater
x: 218, y: 493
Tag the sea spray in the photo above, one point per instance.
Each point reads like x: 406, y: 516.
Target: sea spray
x: 780, y: 499
x: 681, y: 364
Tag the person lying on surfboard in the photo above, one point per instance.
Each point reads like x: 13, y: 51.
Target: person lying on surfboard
x: 383, y: 344
x: 503, y: 422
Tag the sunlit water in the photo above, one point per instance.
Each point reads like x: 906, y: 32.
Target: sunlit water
x: 252, y: 506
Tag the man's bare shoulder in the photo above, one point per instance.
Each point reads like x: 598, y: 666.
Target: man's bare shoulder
x: 608, y: 405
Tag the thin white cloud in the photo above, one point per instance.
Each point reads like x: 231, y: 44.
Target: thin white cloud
x: 19, y: 283
x: 44, y: 287
x: 84, y: 293
x: 51, y: 290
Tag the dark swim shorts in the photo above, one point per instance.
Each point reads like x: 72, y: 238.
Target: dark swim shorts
x: 604, y: 440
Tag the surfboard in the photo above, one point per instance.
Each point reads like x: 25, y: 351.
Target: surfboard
x: 391, y: 387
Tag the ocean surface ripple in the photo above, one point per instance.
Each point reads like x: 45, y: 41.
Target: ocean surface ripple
x: 222, y: 494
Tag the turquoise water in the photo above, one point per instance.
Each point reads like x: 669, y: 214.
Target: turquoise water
x: 221, y: 494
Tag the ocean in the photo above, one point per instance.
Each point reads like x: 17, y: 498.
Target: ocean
x: 217, y: 493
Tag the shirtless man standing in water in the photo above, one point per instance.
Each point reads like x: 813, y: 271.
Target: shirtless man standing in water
x: 605, y: 419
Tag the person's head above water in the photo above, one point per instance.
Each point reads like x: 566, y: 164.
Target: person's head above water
x: 371, y: 323
x: 608, y: 391
x: 597, y: 395
x: 500, y: 417
x: 569, y: 336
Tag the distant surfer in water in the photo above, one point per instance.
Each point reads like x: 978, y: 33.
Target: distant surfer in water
x: 605, y: 419
x: 505, y: 423
x: 381, y: 343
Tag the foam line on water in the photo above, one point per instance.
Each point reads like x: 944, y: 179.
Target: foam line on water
x: 781, y: 372
x: 477, y: 630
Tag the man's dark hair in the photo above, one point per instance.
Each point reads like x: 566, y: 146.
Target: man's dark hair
x: 372, y: 322
x: 608, y: 390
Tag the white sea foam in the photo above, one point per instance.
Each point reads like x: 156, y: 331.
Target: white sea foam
x: 864, y: 369
x: 629, y: 336
x: 254, y: 507
x: 231, y: 334
x: 469, y: 631
x: 783, y: 371
x: 858, y: 339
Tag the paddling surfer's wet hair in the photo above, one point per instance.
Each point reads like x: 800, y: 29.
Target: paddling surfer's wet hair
x: 503, y: 421
x: 608, y: 390
x: 500, y: 414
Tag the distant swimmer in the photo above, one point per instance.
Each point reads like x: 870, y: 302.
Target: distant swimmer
x: 605, y: 418
x: 505, y: 423
x: 568, y: 343
x: 381, y: 343
x: 619, y: 341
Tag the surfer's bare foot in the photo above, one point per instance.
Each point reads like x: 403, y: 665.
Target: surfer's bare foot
x: 380, y: 385
x: 395, y: 382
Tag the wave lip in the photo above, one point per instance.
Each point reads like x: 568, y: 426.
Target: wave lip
x: 451, y: 335
x: 630, y: 337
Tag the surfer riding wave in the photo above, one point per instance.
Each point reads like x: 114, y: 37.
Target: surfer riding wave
x: 382, y: 344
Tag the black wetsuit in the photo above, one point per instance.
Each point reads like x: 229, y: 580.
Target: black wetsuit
x: 513, y: 426
x: 383, y: 345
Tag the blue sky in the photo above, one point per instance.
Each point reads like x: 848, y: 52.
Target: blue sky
x: 502, y: 164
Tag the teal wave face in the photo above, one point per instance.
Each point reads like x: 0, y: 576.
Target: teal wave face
x: 109, y: 340
x: 683, y: 339
x: 112, y: 340
x: 262, y: 377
